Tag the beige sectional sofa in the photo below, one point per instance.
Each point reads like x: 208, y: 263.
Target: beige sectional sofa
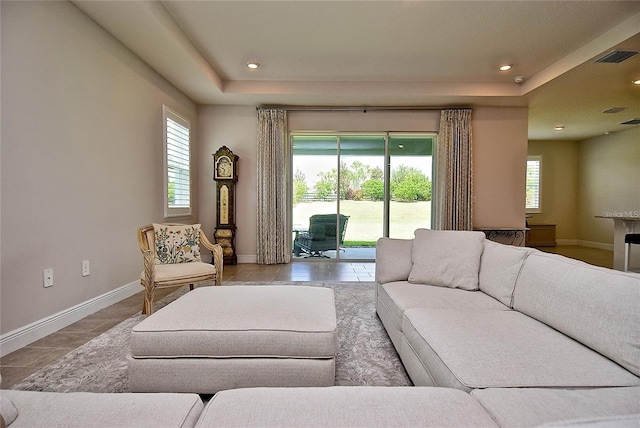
x: 491, y: 335
x: 338, y: 406
x: 33, y: 409
x: 471, y: 314
x: 362, y: 406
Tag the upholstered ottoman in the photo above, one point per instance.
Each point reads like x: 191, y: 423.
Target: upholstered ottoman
x: 218, y: 338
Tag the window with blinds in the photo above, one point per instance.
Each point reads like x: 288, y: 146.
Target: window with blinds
x: 534, y: 175
x: 177, y: 164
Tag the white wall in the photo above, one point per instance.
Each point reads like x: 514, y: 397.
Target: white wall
x: 236, y: 128
x: 500, y: 163
x: 81, y: 158
x: 559, y: 187
x: 584, y: 179
x: 371, y: 121
x: 500, y: 152
x: 609, y: 181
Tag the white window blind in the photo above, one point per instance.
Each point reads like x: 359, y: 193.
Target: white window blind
x: 534, y: 175
x: 177, y: 164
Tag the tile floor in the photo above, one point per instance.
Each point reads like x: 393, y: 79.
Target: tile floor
x: 18, y: 365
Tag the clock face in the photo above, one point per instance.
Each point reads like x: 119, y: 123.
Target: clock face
x: 224, y: 168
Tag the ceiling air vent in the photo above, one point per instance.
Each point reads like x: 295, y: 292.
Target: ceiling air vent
x: 616, y: 57
x: 635, y: 121
x: 614, y: 110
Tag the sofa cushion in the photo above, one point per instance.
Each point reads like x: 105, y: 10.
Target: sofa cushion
x: 8, y: 410
x: 499, y: 268
x: 399, y: 296
x: 624, y: 421
x: 446, y: 258
x: 86, y: 409
x: 534, y: 406
x: 356, y: 406
x: 474, y: 348
x: 393, y: 259
x: 177, y: 243
x: 593, y: 305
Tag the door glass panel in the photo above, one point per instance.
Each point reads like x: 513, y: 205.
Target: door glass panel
x: 411, y: 160
x: 315, y: 184
x: 346, y: 195
x: 362, y: 194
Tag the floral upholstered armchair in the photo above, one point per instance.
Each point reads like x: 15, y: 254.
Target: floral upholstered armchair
x: 171, y: 254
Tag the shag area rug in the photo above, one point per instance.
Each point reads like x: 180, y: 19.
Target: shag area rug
x: 366, y: 355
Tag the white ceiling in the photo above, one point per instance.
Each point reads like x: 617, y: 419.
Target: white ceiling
x: 394, y: 53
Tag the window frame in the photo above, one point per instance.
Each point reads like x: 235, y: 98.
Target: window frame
x: 538, y: 209
x: 172, y: 211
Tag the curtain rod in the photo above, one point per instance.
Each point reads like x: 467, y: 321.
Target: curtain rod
x: 362, y: 108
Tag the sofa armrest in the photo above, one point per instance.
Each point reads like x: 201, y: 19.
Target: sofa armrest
x: 393, y: 259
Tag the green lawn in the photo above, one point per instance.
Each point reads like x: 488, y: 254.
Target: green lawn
x: 365, y: 218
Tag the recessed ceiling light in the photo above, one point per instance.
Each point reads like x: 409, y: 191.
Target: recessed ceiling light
x: 505, y: 67
x: 253, y: 65
x: 558, y: 128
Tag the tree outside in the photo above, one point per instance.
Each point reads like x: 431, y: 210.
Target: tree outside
x: 300, y: 188
x: 361, y: 186
x: 362, y: 182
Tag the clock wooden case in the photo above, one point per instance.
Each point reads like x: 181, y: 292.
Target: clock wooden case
x: 225, y: 173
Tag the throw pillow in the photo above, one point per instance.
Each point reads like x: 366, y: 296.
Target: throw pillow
x: 396, y: 263
x: 500, y: 266
x: 177, y: 243
x: 446, y: 258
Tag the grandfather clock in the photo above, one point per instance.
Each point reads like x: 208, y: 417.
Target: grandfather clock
x: 225, y: 174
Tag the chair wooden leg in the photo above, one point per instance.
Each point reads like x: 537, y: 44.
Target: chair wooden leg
x: 147, y: 306
x: 191, y: 287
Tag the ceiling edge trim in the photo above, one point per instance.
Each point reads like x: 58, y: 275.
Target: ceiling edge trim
x: 606, y: 41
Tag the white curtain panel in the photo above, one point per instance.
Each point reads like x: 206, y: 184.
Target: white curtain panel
x: 455, y: 171
x: 274, y: 233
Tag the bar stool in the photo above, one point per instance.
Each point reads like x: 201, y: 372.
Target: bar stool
x: 629, y: 238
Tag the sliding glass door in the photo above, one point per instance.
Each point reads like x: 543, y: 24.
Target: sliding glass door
x: 362, y: 193
x: 350, y: 189
x: 411, y: 183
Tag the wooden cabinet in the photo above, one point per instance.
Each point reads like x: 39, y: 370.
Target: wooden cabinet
x: 541, y: 235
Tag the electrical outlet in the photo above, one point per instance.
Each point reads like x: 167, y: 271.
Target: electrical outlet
x: 85, y: 268
x: 47, y: 277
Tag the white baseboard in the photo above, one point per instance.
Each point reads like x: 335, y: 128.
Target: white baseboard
x: 566, y: 242
x: 590, y: 244
x: 599, y: 245
x: 23, y: 336
x: 247, y: 259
